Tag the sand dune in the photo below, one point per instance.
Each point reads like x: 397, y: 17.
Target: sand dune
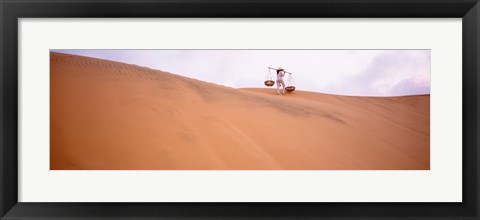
x: 108, y: 115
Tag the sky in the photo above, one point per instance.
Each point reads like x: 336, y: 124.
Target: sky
x: 342, y: 72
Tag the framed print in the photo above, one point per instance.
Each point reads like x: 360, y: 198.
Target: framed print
x: 250, y: 110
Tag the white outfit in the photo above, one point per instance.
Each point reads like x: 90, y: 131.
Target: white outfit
x: 280, y: 75
x: 280, y: 82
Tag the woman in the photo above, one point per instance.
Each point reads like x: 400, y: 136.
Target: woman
x: 280, y: 74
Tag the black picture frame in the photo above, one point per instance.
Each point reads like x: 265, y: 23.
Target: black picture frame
x: 12, y: 10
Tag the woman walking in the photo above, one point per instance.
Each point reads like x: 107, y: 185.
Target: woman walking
x: 280, y: 75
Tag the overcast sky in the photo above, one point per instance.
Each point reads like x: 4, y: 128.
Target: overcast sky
x: 344, y: 72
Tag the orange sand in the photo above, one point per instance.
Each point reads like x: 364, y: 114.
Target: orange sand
x: 112, y: 116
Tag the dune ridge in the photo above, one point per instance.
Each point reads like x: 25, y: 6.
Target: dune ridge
x: 107, y: 115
